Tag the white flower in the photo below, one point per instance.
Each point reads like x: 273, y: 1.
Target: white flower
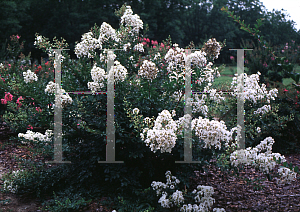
x: 135, y: 111
x: 106, y: 33
x: 126, y: 46
x: 258, y: 129
x: 287, y: 175
x: 51, y: 87
x: 139, y: 47
x: 148, y: 70
x: 36, y: 137
x: 131, y: 20
x: 87, y: 45
x: 29, y: 76
x: 198, y: 58
x: 177, y: 197
x: 1, y: 65
x: 38, y: 40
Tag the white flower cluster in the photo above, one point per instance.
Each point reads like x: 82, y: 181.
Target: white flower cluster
x: 65, y: 98
x: 60, y: 57
x: 126, y: 47
x: 175, y: 57
x: 106, y: 33
x: 132, y: 20
x: 163, y: 135
x: 87, y: 44
x: 199, y: 104
x: 212, y: 132
x: 206, y: 201
x: 51, y: 87
x: 8, y: 185
x: 136, y: 111
x: 105, y: 57
x: 176, y: 197
x: 208, y: 74
x: 120, y: 72
x: 203, y: 196
x: 39, y: 39
x: 1, y: 65
x: 29, y: 76
x: 212, y: 48
x: 217, y: 97
x: 198, y: 58
x: 260, y: 156
x: 287, y: 175
x: 99, y: 75
x: 252, y: 90
x: 37, y: 137
x: 156, y: 56
x: 148, y: 70
x: 263, y: 110
x: 139, y: 47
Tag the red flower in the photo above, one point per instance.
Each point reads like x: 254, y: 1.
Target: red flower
x: 38, y: 69
x: 47, y: 63
x: 8, y: 96
x: 38, y: 109
x: 3, y: 101
x: 29, y: 127
x: 18, y: 101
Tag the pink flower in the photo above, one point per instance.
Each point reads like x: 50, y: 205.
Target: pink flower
x: 144, y: 39
x: 285, y: 90
x: 38, y: 109
x: 265, y: 64
x: 162, y: 45
x: 154, y: 47
x: 29, y: 127
x: 144, y: 43
x: 18, y: 36
x: 9, y: 65
x: 148, y: 40
x: 231, y: 57
x: 286, y: 61
x: 282, y: 50
x: 272, y: 58
x: 3, y: 101
x: 297, y: 91
x: 8, y: 96
x: 18, y: 101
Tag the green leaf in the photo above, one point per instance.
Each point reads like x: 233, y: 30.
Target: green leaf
x: 296, y: 169
x: 285, y: 164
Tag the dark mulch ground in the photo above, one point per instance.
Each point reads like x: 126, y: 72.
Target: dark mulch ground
x: 231, y: 192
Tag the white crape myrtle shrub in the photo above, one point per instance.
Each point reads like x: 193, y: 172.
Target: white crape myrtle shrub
x: 104, y: 57
x: 253, y: 91
x: 131, y: 20
x: 260, y: 156
x: 287, y: 175
x: 212, y: 132
x: 87, y: 44
x: 37, y: 137
x: 202, y: 196
x: 29, y: 76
